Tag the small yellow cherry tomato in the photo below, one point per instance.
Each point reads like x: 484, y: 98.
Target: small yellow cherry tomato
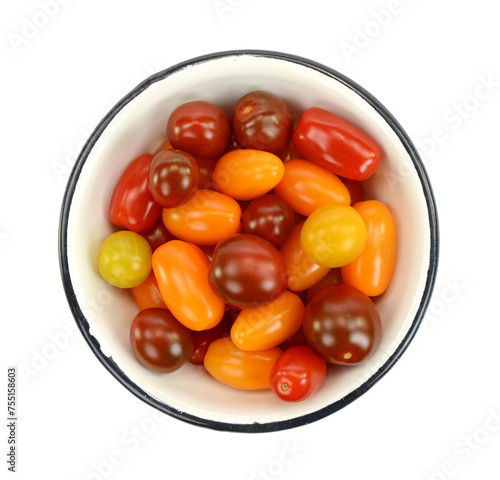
x: 124, y: 259
x: 334, y: 235
x: 247, y: 174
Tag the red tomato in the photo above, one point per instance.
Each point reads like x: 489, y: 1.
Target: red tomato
x: 336, y: 144
x: 181, y: 270
x: 333, y: 277
x: 206, y: 166
x: 147, y: 294
x: 372, y: 271
x: 199, y: 128
x: 355, y: 190
x: 157, y: 235
x: 132, y: 205
x: 297, y: 374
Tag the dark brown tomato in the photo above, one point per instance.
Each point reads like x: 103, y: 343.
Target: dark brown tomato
x: 269, y: 217
x: 247, y: 271
x: 262, y: 121
x: 157, y: 235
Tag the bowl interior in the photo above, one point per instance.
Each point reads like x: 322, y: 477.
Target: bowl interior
x: 137, y: 126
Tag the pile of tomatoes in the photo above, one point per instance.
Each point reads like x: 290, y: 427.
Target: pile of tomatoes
x: 249, y: 248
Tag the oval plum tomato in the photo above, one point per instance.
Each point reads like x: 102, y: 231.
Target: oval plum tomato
x: 297, y: 374
x: 181, y: 270
x: 238, y: 368
x: 247, y: 271
x: 301, y: 270
x: 306, y: 187
x: 159, y: 341
x: 206, y: 219
x: 132, y: 206
x: 262, y: 121
x: 247, y: 174
x: 333, y: 235
x: 372, y: 271
x: 342, y: 325
x: 124, y: 259
x: 269, y: 217
x: 268, y: 326
x: 200, y: 128
x: 147, y: 294
x: 173, y: 177
x: 336, y: 144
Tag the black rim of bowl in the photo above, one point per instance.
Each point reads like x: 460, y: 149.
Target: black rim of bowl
x: 109, y: 363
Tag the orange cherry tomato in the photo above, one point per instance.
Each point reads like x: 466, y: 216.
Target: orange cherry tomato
x: 372, y: 271
x: 147, y: 294
x: 239, y: 368
x: 301, y: 270
x: 307, y: 186
x: 247, y: 174
x: 333, y: 277
x: 206, y: 219
x: 181, y: 270
x: 265, y: 327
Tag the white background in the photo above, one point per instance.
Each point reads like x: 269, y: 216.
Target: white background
x: 435, y: 415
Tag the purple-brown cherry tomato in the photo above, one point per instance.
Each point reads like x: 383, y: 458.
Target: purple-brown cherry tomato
x: 247, y: 271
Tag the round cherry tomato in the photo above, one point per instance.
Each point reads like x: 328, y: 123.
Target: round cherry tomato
x: 147, y: 294
x: 247, y: 271
x: 268, y: 326
x: 342, y: 325
x: 336, y: 144
x: 203, y: 338
x: 372, y: 271
x: 173, y: 177
x: 333, y: 277
x: 159, y: 341
x: 306, y: 187
x: 239, y: 368
x: 124, y: 259
x: 206, y: 219
x: 262, y: 121
x: 157, y: 235
x: 334, y: 235
x: 269, y: 217
x: 181, y: 270
x: 247, y: 174
x: 132, y: 205
x: 302, y: 272
x: 297, y: 374
x: 200, y: 128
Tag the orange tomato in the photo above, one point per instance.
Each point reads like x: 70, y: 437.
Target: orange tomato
x: 301, y: 270
x: 206, y: 219
x: 307, y: 186
x: 265, y: 327
x: 181, y: 270
x: 147, y: 294
x: 372, y: 271
x: 247, y: 174
x: 239, y: 368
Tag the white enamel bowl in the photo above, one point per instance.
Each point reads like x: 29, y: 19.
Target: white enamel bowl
x: 136, y: 125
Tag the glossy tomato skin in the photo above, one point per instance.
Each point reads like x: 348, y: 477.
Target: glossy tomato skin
x: 247, y: 174
x: 269, y: 217
x: 333, y: 277
x: 262, y: 121
x: 206, y: 219
x: 132, y: 206
x: 157, y: 235
x: 342, y: 325
x: 298, y: 374
x: 268, y: 326
x: 206, y: 166
x: 301, y: 270
x: 181, y: 270
x: 173, y: 177
x: 247, y: 271
x: 159, y: 341
x: 334, y: 235
x: 307, y: 186
x: 372, y: 271
x: 336, y: 144
x: 124, y: 259
x: 147, y: 294
x: 238, y: 368
x: 200, y: 128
